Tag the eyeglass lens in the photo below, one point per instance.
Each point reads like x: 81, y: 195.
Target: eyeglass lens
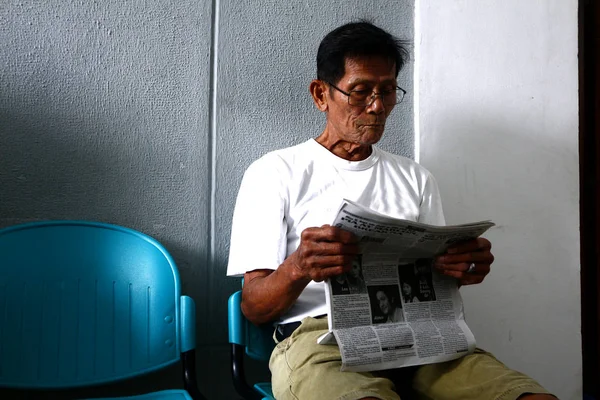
x: 364, y: 98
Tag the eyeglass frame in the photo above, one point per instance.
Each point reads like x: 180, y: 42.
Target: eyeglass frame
x: 372, y: 96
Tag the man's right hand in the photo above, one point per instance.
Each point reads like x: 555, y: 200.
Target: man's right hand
x: 323, y: 252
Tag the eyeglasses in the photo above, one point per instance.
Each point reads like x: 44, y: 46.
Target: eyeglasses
x: 364, y: 98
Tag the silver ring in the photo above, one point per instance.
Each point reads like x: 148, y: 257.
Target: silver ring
x: 471, y: 268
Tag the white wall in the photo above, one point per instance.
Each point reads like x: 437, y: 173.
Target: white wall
x: 497, y: 116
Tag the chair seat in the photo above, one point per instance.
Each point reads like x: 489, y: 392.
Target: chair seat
x: 265, y: 389
x: 162, y: 395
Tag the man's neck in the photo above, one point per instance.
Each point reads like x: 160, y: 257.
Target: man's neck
x: 343, y: 149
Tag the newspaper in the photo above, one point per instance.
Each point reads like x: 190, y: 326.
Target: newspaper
x: 393, y: 309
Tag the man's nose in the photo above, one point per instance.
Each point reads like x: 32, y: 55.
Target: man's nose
x: 376, y: 106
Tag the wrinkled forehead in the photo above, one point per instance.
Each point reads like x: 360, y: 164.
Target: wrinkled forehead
x: 374, y: 69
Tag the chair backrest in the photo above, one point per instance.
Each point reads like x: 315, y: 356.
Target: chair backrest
x: 85, y: 303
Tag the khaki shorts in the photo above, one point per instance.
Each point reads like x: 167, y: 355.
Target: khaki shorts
x: 304, y: 370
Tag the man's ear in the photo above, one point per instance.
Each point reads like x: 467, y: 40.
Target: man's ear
x: 320, y: 91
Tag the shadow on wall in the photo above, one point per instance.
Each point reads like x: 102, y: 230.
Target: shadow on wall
x: 61, y: 161
x: 63, y: 165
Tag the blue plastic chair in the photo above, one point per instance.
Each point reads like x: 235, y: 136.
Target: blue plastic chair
x: 84, y: 303
x: 254, y: 341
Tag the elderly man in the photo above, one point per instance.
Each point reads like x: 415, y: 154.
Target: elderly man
x: 282, y: 245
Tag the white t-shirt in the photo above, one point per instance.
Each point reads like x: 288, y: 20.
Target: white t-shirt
x: 289, y: 190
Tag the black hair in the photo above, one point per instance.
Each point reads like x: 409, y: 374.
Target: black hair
x: 357, y: 39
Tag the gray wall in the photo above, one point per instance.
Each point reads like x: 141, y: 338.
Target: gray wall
x: 145, y: 114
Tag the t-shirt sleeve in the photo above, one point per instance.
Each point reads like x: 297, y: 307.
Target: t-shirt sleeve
x: 258, y: 230
x: 430, y: 210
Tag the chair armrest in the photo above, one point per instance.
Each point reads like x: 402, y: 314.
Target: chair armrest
x: 236, y: 320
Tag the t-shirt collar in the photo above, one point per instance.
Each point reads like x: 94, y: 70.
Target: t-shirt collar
x: 326, y: 155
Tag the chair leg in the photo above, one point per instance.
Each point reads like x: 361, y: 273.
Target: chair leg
x: 190, y: 382
x: 239, y: 376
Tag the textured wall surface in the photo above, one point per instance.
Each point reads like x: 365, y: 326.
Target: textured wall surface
x: 266, y: 60
x: 499, y: 130
x: 146, y: 113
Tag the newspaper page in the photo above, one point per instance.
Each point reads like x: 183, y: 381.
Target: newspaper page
x: 393, y: 309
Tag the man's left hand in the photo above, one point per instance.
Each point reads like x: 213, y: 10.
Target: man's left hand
x: 469, y: 262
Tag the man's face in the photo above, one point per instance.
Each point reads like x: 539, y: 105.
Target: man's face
x: 406, y: 289
x: 359, y: 124
x: 384, y: 303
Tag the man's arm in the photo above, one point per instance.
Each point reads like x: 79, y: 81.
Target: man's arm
x: 323, y: 253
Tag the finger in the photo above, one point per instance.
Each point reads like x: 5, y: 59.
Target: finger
x: 334, y: 234
x: 328, y: 233
x: 470, y: 245
x: 463, y: 274
x: 480, y: 269
x: 328, y: 261
x: 460, y: 270
x: 321, y: 274
x: 483, y: 256
x: 318, y: 267
x: 464, y: 278
x: 312, y: 249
